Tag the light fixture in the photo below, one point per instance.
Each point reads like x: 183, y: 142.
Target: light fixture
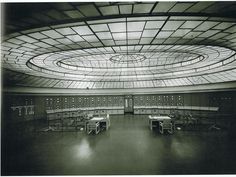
x: 127, y: 58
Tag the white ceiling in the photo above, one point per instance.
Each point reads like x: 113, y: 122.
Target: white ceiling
x: 116, y: 50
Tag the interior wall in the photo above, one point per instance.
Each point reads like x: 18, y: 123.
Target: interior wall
x: 11, y: 103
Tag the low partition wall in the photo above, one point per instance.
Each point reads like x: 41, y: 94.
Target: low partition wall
x: 182, y: 110
x: 26, y: 107
x: 76, y: 112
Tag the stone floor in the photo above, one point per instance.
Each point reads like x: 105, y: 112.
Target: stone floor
x: 127, y: 148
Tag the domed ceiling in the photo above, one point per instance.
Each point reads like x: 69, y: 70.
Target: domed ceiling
x: 110, y: 45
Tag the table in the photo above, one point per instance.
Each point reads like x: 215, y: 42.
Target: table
x: 157, y: 119
x: 98, y: 122
x: 102, y: 120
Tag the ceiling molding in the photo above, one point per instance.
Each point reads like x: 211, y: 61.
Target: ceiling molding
x: 231, y: 86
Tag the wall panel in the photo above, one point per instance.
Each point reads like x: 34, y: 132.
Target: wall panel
x: 226, y: 102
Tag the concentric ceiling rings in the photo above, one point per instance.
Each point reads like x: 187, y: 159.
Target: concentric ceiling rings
x: 124, y: 50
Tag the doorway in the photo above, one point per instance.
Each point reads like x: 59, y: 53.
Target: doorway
x: 129, y: 107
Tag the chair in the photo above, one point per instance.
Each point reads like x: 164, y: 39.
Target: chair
x: 93, y: 126
x: 105, y: 123
x: 166, y: 125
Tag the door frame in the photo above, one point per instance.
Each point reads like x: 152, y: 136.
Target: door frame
x: 128, y: 104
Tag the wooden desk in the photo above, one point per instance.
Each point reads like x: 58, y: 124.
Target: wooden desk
x: 157, y: 119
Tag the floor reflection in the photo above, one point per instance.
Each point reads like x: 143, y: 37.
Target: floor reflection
x: 127, y: 148
x: 83, y: 151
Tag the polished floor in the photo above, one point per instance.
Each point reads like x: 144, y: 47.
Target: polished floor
x: 129, y: 147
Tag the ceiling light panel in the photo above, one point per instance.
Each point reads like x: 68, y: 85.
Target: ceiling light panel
x: 199, y: 6
x: 142, y: 8
x: 91, y: 38
x: 82, y: 30
x: 206, y: 26
x: 108, y: 42
x: 99, y: 28
x: 117, y: 27
x: 164, y: 34
x: 180, y: 7
x: 73, y: 14
x: 52, y: 34
x: 149, y: 33
x: 134, y: 35
x: 109, y: 10
x: 88, y: 10
x: 172, y: 25
x: 163, y: 7
x: 161, y: 61
x: 154, y: 24
x: 135, y: 26
x: 125, y: 9
x: 180, y: 32
x: 119, y: 36
x: 75, y: 38
x: 66, y: 31
x: 26, y: 39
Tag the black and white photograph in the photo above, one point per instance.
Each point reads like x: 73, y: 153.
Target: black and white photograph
x: 118, y: 88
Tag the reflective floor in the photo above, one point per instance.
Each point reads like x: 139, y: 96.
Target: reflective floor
x: 128, y: 147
